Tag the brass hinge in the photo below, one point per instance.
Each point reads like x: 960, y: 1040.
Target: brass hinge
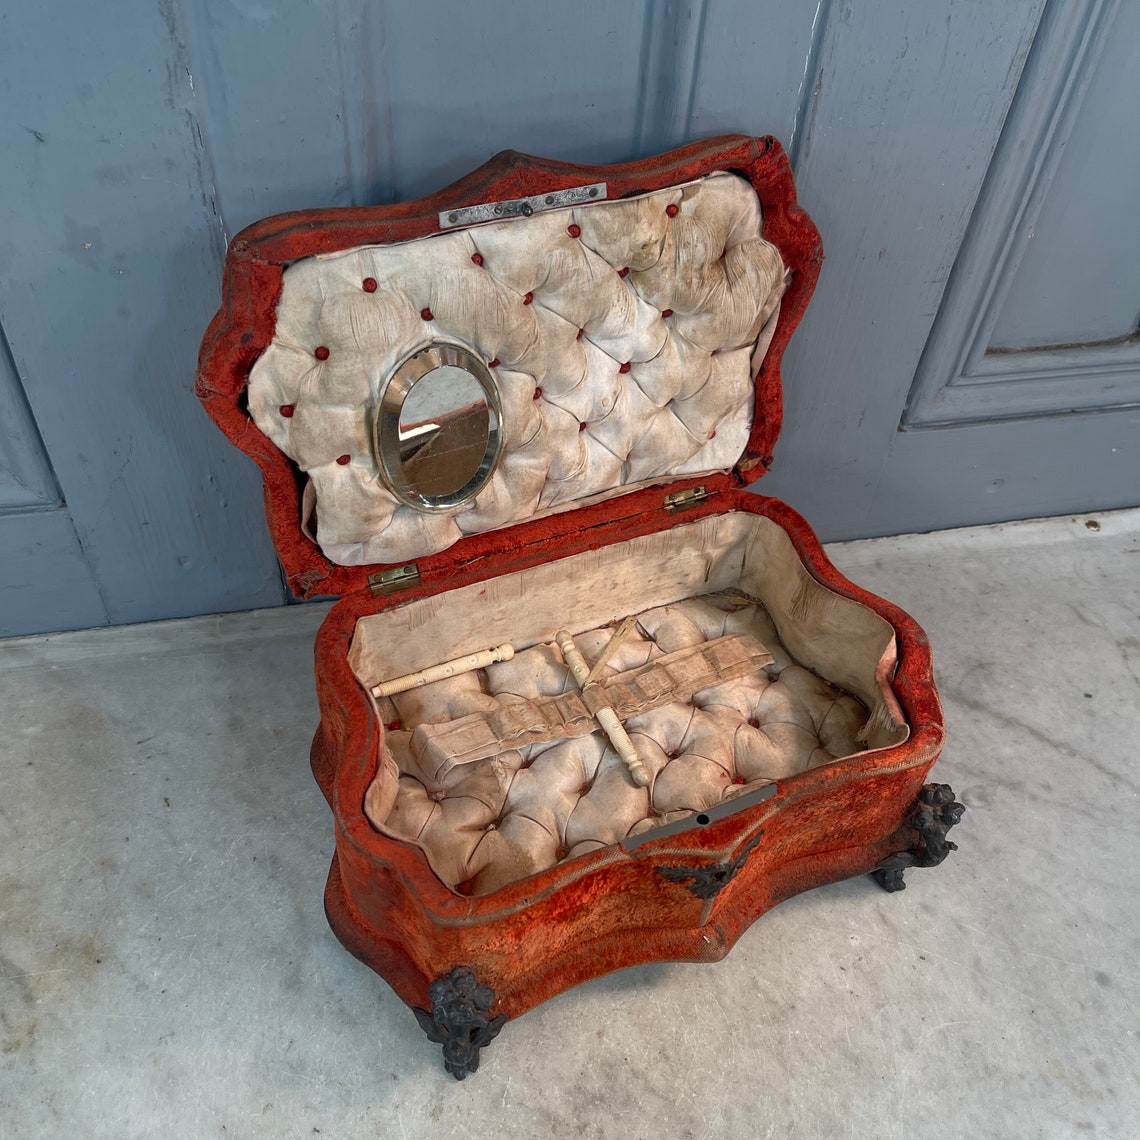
x: 683, y: 500
x: 389, y: 581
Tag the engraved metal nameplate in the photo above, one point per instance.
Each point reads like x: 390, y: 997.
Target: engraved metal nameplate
x: 521, y: 207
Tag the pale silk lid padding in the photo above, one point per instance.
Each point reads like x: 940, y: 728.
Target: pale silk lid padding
x: 683, y: 407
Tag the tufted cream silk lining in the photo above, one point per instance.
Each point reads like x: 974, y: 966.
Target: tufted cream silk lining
x: 816, y: 688
x: 626, y: 336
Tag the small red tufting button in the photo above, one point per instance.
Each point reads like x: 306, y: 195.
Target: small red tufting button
x: 624, y: 271
x: 753, y: 723
x: 581, y: 427
x: 561, y: 853
x: 674, y: 755
x: 426, y: 314
x: 574, y: 231
x: 666, y: 312
x: 715, y: 352
x: 528, y: 298
x: 321, y: 353
x: 344, y: 460
x: 368, y: 285
x: 537, y: 394
x: 625, y: 367
x: 672, y: 209
x: 393, y: 726
x: 738, y: 780
x: 287, y: 410
x: 580, y: 332
x: 477, y: 258
x: 493, y: 363
x: 712, y: 434
x: 465, y: 888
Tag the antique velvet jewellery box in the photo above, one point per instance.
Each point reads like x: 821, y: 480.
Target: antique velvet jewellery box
x: 586, y: 701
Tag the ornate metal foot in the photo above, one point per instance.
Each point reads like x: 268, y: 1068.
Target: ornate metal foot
x: 933, y: 816
x: 458, y: 1020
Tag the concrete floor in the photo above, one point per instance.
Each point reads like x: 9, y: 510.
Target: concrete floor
x: 166, y: 970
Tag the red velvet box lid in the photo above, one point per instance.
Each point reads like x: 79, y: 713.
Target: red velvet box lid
x: 252, y: 285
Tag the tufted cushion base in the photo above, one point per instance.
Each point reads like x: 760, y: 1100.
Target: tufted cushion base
x: 488, y: 814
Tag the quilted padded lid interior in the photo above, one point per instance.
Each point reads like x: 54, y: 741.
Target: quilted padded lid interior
x: 623, y: 337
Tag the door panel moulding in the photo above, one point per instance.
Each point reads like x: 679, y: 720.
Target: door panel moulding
x: 958, y: 380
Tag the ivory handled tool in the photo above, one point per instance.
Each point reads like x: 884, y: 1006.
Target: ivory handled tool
x: 602, y: 709
x: 443, y: 671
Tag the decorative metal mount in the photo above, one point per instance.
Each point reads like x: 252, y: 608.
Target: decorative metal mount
x: 521, y: 207
x: 710, y: 879
x: 933, y: 816
x: 459, y: 1020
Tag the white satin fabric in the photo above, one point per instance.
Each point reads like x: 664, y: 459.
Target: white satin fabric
x: 625, y: 354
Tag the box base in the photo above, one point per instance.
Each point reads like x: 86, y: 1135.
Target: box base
x: 685, y: 897
x: 461, y: 1015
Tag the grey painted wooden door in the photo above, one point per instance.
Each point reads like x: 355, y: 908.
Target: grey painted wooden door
x: 970, y: 354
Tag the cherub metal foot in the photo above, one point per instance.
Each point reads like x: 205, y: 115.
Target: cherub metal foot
x: 933, y: 816
x: 459, y: 1020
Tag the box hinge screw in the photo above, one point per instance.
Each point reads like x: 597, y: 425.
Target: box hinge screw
x: 389, y: 581
x: 683, y: 500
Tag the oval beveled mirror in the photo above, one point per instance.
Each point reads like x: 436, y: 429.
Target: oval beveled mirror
x: 438, y: 427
